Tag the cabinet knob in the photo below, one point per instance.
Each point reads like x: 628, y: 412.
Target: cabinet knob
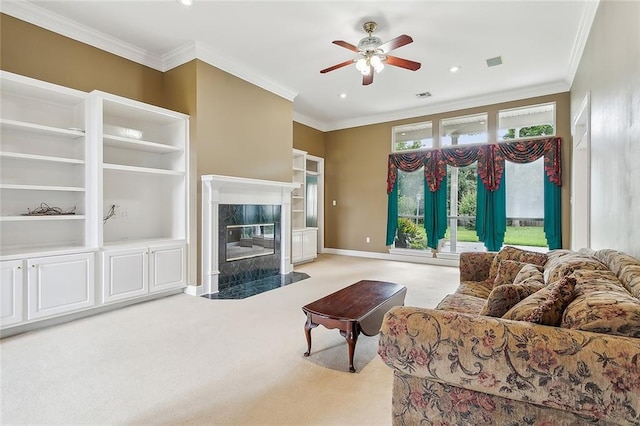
x: 19, y: 267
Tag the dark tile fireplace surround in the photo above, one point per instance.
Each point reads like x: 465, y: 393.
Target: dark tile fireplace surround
x: 242, y: 278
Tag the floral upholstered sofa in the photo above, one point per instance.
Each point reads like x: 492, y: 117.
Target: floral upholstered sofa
x: 527, y: 339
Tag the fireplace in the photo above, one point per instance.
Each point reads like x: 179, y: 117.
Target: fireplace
x: 246, y: 225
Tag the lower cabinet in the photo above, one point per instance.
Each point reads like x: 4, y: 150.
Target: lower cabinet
x: 11, y: 294
x: 133, y: 272
x: 304, y: 244
x: 59, y: 284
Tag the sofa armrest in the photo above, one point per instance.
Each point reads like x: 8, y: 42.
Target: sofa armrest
x: 475, y: 266
x: 591, y: 374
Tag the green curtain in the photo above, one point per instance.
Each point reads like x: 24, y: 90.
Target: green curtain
x: 491, y: 215
x: 435, y: 213
x: 392, y: 213
x: 552, y: 213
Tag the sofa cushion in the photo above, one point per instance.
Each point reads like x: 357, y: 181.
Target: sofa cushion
x: 514, y: 253
x: 561, y: 266
x: 461, y: 303
x: 529, y: 273
x: 630, y: 279
x: 475, y: 288
x: 616, y: 260
x: 508, y: 271
x: 546, y: 305
x: 602, y: 305
x: 504, y: 297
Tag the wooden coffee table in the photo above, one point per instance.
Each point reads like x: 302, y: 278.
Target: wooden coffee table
x: 354, y: 309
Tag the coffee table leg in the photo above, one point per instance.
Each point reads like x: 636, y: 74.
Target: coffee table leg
x: 307, y: 331
x: 352, y: 337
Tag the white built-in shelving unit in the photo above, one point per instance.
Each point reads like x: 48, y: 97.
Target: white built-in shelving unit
x: 83, y: 153
x: 304, y: 235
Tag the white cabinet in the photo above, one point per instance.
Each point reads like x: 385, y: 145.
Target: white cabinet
x: 60, y: 284
x: 124, y: 274
x: 304, y: 245
x: 11, y: 294
x: 138, y: 271
x: 167, y: 267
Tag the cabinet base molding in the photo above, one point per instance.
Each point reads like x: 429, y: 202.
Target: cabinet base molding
x: 38, y: 324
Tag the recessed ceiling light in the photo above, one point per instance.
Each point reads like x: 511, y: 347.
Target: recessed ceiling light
x: 186, y: 2
x: 342, y: 95
x: 454, y: 68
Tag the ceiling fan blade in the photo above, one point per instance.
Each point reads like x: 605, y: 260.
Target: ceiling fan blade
x: 345, y: 45
x: 402, y: 63
x: 335, y: 67
x: 368, y: 79
x: 399, y: 41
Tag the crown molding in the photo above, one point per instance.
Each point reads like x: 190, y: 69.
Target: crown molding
x: 308, y: 121
x: 36, y: 15
x: 472, y: 102
x: 580, y: 42
x: 206, y: 54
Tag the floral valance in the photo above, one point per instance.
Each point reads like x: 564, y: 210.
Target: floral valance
x: 490, y: 158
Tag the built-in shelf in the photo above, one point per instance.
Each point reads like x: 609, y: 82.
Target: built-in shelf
x: 136, y: 169
x: 34, y: 157
x: 139, y: 145
x: 39, y: 128
x: 42, y: 187
x: 34, y: 218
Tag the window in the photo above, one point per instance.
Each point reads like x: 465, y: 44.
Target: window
x: 461, y: 187
x: 411, y: 233
x: 468, y: 130
x: 524, y: 193
x: 527, y: 122
x: 413, y: 137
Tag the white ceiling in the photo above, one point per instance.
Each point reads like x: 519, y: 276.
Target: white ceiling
x: 281, y: 46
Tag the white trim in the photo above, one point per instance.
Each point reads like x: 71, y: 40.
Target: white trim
x: 59, y: 24
x: 308, y: 121
x: 584, y: 28
x: 451, y: 261
x: 471, y: 102
x: 194, y: 290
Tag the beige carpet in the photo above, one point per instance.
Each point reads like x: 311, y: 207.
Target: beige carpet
x: 190, y: 360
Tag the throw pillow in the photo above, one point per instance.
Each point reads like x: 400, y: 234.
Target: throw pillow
x: 546, y: 305
x: 504, y: 297
x: 514, y: 253
x: 529, y: 272
x: 507, y: 272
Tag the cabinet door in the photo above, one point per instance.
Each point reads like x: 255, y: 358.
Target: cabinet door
x: 11, y: 295
x: 167, y: 267
x: 60, y: 284
x: 310, y: 244
x: 296, y: 246
x: 124, y: 274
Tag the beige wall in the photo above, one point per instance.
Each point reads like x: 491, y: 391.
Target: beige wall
x: 308, y: 139
x: 610, y: 71
x: 38, y: 53
x: 356, y: 174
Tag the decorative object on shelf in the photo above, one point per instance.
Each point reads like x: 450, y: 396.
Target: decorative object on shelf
x: 111, y: 213
x: 372, y: 54
x: 46, y: 210
x: 123, y: 132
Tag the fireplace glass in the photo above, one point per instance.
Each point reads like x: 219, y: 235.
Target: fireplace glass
x: 245, y: 241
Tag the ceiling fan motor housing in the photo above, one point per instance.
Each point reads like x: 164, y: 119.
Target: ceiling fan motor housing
x: 369, y: 44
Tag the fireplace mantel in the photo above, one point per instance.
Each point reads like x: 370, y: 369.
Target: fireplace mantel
x: 217, y: 190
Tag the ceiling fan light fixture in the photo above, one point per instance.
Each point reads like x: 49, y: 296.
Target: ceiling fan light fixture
x: 376, y: 63
x: 362, y: 65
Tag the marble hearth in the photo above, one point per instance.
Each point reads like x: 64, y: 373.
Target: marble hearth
x: 233, y: 201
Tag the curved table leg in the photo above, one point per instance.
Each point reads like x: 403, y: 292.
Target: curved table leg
x: 307, y: 331
x: 352, y: 337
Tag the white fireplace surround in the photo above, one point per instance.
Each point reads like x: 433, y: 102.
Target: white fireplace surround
x: 216, y: 190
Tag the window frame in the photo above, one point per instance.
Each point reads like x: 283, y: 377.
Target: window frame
x: 517, y: 138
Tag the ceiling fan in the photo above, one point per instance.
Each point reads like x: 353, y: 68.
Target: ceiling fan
x: 372, y: 54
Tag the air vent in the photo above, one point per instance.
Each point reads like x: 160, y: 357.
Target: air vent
x: 493, y: 62
x: 423, y: 95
